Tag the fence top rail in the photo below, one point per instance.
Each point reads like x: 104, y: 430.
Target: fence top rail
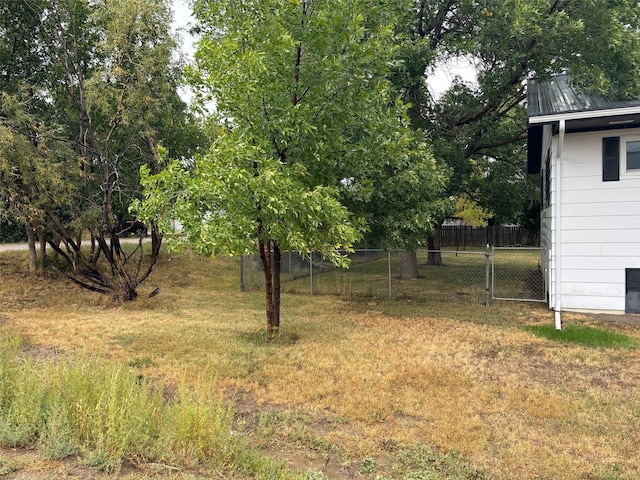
x: 452, y: 252
x: 445, y: 250
x: 517, y: 248
x: 419, y: 250
x: 399, y: 250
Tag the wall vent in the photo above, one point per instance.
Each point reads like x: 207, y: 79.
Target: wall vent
x: 632, y: 302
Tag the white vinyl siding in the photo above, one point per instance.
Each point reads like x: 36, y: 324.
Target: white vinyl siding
x: 609, y: 209
x: 600, y: 225
x: 603, y: 237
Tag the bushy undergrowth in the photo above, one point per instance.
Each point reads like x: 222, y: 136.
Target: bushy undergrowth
x: 100, y: 411
x: 12, y: 232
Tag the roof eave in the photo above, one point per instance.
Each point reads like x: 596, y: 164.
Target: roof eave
x: 556, y: 117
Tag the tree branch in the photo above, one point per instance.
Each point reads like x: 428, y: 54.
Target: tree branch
x: 472, y: 150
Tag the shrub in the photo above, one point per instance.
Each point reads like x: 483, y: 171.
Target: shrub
x: 12, y: 232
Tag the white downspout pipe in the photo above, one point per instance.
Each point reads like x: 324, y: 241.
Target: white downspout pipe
x: 557, y: 213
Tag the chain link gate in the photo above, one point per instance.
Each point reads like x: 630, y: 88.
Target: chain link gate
x: 516, y: 274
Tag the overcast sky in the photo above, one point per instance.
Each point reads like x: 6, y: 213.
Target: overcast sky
x: 181, y: 19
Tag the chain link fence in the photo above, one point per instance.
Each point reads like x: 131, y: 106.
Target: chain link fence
x: 517, y: 274
x: 472, y: 276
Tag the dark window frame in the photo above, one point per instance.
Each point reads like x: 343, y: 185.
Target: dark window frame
x: 611, y: 159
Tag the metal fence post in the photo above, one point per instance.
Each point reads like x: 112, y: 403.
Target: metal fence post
x: 389, y: 266
x: 486, y: 268
x: 311, y: 271
x: 493, y: 273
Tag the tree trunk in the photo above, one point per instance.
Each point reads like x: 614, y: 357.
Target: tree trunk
x: 94, y: 248
x: 56, y: 239
x: 31, y: 242
x: 128, y: 280
x: 277, y: 263
x: 271, y: 259
x: 130, y: 293
x: 408, y: 265
x: 265, y: 258
x: 433, y: 244
x: 43, y: 249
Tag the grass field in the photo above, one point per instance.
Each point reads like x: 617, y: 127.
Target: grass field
x: 357, y: 386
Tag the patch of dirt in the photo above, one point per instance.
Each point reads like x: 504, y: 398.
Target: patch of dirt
x: 631, y: 320
x: 26, y: 464
x: 23, y: 464
x: 40, y: 352
x: 324, y: 458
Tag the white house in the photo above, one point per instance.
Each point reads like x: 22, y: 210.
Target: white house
x: 587, y: 151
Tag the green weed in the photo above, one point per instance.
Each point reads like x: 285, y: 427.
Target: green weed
x: 315, y: 475
x: 422, y: 463
x: 367, y: 465
x: 8, y: 466
x: 141, y: 362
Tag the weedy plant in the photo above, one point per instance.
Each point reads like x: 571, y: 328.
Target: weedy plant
x: 72, y: 404
x: 8, y: 466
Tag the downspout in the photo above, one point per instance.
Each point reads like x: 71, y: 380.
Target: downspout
x: 557, y: 213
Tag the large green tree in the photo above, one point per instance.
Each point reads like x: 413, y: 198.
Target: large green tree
x: 473, y: 126
x: 308, y: 125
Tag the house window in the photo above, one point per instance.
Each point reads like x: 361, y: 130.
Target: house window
x: 632, y: 155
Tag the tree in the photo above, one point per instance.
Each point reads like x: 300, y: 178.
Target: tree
x: 25, y: 153
x: 107, y: 75
x: 306, y: 113
x: 35, y: 172
x: 401, y: 198
x: 507, y: 42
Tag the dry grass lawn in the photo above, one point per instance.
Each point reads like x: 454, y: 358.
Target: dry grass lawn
x: 351, y: 380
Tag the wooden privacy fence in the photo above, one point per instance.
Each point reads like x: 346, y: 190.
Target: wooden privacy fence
x: 462, y: 236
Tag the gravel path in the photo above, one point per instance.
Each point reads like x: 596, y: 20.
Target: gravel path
x: 7, y: 247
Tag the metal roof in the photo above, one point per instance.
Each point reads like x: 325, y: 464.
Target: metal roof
x: 558, y: 96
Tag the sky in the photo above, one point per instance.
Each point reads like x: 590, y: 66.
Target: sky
x: 181, y: 19
x: 444, y: 74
